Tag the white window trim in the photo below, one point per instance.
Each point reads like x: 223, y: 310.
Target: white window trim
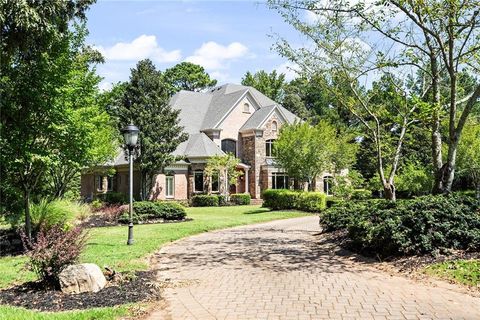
x: 99, y: 183
x: 172, y: 195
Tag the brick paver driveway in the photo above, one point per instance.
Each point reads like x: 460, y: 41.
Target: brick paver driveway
x: 282, y: 270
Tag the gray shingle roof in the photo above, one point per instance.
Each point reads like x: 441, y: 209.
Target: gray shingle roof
x: 200, y: 145
x: 204, y: 110
x: 257, y: 118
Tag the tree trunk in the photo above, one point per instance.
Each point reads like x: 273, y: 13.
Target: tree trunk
x: 389, y: 191
x: 436, y: 135
x: 28, y: 222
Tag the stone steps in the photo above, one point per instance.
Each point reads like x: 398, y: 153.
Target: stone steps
x: 256, y: 201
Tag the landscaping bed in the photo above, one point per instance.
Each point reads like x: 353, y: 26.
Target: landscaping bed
x: 32, y: 295
x: 435, y: 236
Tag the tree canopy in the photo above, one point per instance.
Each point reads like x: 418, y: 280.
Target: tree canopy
x: 39, y: 53
x: 270, y: 84
x: 188, y: 76
x: 438, y: 38
x: 305, y: 151
x: 145, y: 104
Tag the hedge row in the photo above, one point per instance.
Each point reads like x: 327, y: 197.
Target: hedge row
x: 205, y: 200
x: 281, y: 199
x: 155, y: 210
x: 240, y: 199
x: 416, y: 226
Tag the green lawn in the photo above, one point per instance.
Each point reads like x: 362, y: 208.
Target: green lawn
x: 466, y: 272
x: 107, y: 246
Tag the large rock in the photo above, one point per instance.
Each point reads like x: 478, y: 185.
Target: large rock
x: 85, y: 277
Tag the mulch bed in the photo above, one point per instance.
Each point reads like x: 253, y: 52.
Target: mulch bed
x: 410, y: 266
x: 30, y: 295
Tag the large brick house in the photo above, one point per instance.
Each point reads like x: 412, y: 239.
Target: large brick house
x: 229, y: 118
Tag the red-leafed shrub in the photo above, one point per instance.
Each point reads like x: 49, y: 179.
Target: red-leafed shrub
x: 53, y: 249
x: 114, y: 212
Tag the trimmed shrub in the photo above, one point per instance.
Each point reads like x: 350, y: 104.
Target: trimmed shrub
x: 311, y: 201
x: 54, y: 249
x: 205, y: 200
x: 361, y: 194
x: 222, y: 200
x: 282, y: 199
x: 170, y: 210
x: 143, y: 211
x: 416, y: 226
x: 241, y: 199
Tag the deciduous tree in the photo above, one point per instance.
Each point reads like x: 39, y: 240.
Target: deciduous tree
x: 36, y: 56
x: 305, y: 151
x: 434, y: 36
x: 270, y: 84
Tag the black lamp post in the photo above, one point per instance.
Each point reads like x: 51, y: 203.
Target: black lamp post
x: 130, y: 135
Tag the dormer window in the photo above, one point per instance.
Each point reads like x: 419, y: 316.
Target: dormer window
x: 274, y: 126
x: 246, y: 108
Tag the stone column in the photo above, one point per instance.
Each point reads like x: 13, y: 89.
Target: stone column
x: 246, y: 180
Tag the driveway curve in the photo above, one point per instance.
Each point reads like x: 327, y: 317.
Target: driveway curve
x: 283, y: 270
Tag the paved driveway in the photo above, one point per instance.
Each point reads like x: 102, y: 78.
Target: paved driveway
x: 282, y: 270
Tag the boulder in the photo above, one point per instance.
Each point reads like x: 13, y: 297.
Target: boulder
x: 85, y: 277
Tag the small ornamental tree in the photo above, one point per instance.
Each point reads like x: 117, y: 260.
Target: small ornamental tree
x: 305, y: 151
x: 223, y: 167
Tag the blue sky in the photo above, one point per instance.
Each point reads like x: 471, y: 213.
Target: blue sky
x: 227, y: 37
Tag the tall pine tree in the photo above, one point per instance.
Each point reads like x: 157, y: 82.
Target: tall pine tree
x: 145, y: 104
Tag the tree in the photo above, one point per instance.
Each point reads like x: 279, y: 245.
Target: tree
x: 469, y: 154
x: 305, y: 151
x: 89, y: 136
x: 270, y: 84
x: 35, y: 57
x: 344, y: 60
x: 188, y: 76
x: 223, y: 168
x: 433, y: 36
x: 145, y: 104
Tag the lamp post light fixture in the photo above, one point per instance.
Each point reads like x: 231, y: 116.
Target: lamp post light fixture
x: 130, y: 135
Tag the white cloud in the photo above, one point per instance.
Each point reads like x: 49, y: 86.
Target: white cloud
x: 213, y: 56
x: 145, y: 46
x: 290, y: 70
x: 105, y: 86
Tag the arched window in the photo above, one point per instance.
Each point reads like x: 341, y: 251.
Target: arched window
x: 229, y: 146
x: 246, y: 107
x: 269, y: 147
x: 274, y: 126
x: 327, y: 184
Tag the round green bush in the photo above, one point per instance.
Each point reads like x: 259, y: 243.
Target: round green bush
x: 241, y: 199
x: 205, y: 200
